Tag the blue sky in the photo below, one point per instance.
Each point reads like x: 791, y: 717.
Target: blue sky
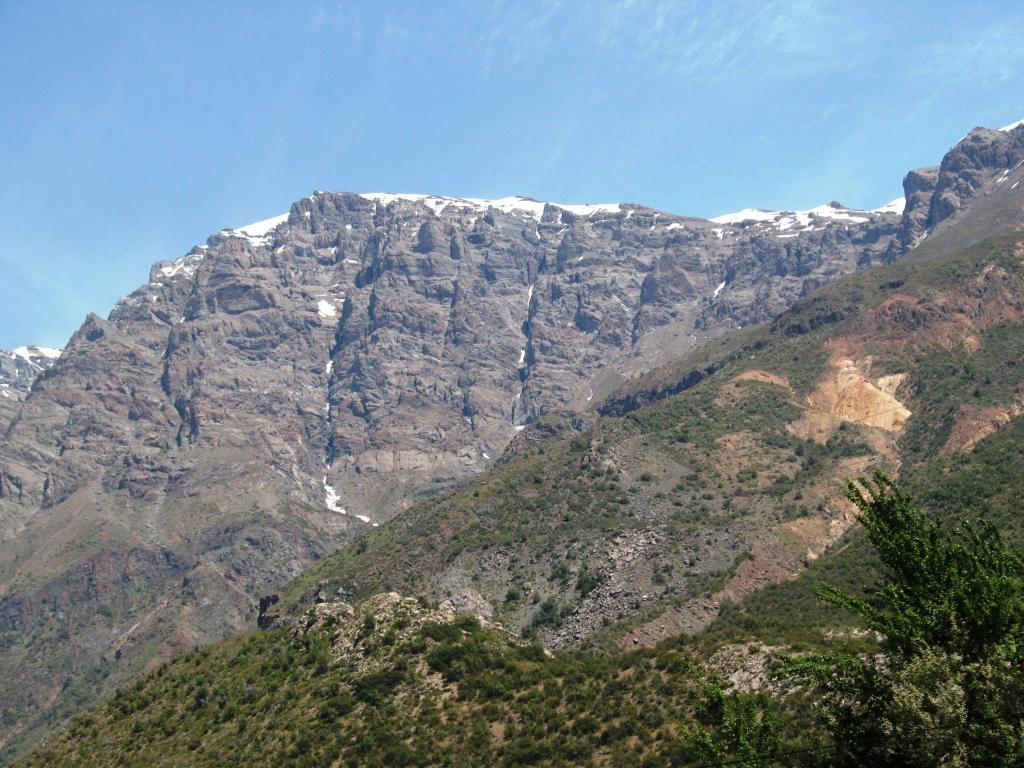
x: 130, y: 131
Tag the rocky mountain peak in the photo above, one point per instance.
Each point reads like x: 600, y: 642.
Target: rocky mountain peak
x: 20, y: 366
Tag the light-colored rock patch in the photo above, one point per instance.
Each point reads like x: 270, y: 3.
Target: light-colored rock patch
x: 845, y: 393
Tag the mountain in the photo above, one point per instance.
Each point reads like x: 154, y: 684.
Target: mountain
x: 746, y: 491
x: 707, y: 482
x: 294, y: 383
x: 19, y: 368
x: 382, y: 344
x: 701, y: 496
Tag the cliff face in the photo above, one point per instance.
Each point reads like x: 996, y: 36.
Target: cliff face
x: 365, y: 347
x: 294, y: 382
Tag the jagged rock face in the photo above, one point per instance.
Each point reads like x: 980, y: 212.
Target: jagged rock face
x: 918, y: 189
x: 386, y: 343
x: 19, y: 368
x: 981, y: 162
x: 857, y: 360
x: 377, y: 348
x: 981, y: 159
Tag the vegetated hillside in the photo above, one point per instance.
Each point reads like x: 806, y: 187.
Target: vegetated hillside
x: 396, y: 683
x: 644, y: 524
x: 985, y: 480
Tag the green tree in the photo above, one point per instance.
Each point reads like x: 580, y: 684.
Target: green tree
x: 946, y: 690
x: 739, y: 729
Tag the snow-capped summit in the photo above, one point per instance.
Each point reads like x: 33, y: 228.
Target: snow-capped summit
x: 20, y: 366
x: 895, y: 206
x: 36, y: 355
x: 258, y: 231
x: 799, y: 221
x: 513, y: 205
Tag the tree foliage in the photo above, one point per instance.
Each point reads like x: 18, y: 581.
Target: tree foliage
x: 947, y: 689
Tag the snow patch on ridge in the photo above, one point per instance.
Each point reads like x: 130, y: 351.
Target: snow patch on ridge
x: 258, y: 232
x: 186, y: 265
x: 512, y: 205
x: 796, y: 220
x: 31, y: 353
x: 895, y: 206
x: 747, y: 214
x: 1012, y: 126
x: 28, y: 361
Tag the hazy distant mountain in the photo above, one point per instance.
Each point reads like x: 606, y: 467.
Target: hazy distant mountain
x: 19, y: 368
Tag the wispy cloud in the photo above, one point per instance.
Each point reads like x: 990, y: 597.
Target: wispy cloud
x: 687, y: 39
x: 724, y: 40
x: 986, y: 57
